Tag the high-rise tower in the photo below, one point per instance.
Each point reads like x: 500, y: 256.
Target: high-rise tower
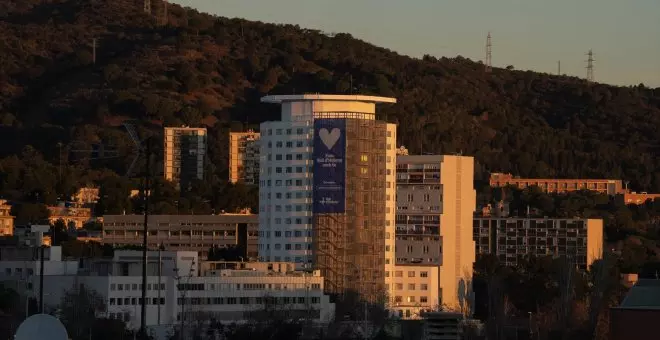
x: 185, y: 153
x: 327, y: 190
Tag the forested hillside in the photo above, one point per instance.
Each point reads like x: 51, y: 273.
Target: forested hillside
x: 205, y: 70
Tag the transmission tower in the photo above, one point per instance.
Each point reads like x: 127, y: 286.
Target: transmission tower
x: 489, y: 53
x: 147, y: 6
x: 590, y: 66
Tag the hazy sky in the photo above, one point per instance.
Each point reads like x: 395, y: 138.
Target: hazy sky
x: 528, y: 34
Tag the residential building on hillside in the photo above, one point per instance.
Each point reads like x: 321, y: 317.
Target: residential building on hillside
x: 185, y: 232
x: 326, y: 190
x: 512, y: 239
x: 74, y: 217
x: 436, y: 202
x: 185, y: 155
x: 6, y: 219
x: 178, y: 292
x: 244, y: 157
x: 86, y: 196
x: 639, y: 198
x: 556, y: 185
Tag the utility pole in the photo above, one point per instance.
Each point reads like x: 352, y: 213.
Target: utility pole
x: 146, y: 192
x: 41, y: 280
x: 160, y: 273
x: 94, y: 51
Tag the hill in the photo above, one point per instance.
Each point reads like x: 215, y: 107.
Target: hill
x: 204, y: 70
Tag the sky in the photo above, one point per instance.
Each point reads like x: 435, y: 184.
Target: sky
x: 527, y: 34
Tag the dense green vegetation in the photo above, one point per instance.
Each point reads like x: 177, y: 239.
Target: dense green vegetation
x: 204, y: 70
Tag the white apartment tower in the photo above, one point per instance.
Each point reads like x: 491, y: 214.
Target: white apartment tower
x: 436, y: 201
x: 185, y: 153
x: 326, y: 191
x: 244, y: 157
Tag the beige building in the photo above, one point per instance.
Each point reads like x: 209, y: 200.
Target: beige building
x: 436, y: 202
x: 185, y: 154
x: 244, y: 157
x: 556, y: 185
x: 512, y: 239
x: 73, y: 216
x: 185, y: 232
x: 415, y: 289
x: 6, y: 219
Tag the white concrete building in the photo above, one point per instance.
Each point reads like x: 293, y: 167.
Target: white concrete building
x: 355, y: 157
x: 185, y: 286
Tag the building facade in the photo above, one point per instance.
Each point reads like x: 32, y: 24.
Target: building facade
x: 6, y: 219
x: 185, y: 232
x: 555, y: 185
x: 415, y: 289
x: 512, y: 239
x: 180, y: 287
x: 244, y: 157
x: 436, y: 202
x: 639, y: 198
x: 327, y: 189
x: 185, y: 155
x: 74, y: 216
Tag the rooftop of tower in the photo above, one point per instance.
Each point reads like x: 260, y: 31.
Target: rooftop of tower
x: 326, y: 97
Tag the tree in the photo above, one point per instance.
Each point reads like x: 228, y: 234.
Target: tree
x: 79, y: 310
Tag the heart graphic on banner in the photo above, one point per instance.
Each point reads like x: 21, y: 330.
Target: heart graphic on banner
x: 329, y: 138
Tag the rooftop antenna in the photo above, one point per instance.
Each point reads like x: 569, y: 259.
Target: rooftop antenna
x: 590, y: 66
x: 489, y: 53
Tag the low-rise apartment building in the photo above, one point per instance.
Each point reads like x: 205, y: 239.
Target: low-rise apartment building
x: 639, y: 198
x: 74, y: 216
x: 185, y: 232
x: 512, y: 239
x: 556, y: 185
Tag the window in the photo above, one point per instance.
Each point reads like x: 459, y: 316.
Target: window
x: 364, y: 158
x: 289, y: 144
x: 411, y: 299
x: 299, y: 144
x: 299, y: 131
x: 424, y: 286
x: 398, y: 299
x: 278, y: 157
x: 398, y: 273
x: 411, y: 198
x: 399, y: 286
x: 289, y: 157
x: 424, y: 274
x: 411, y: 286
x: 411, y: 274
x: 427, y: 198
x: 299, y: 157
x: 423, y: 299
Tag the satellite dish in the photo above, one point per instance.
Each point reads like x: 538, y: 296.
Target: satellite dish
x: 41, y: 326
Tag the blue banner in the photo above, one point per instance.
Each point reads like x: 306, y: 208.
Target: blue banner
x: 329, y: 166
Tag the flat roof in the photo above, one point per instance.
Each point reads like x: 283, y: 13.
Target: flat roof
x: 330, y: 97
